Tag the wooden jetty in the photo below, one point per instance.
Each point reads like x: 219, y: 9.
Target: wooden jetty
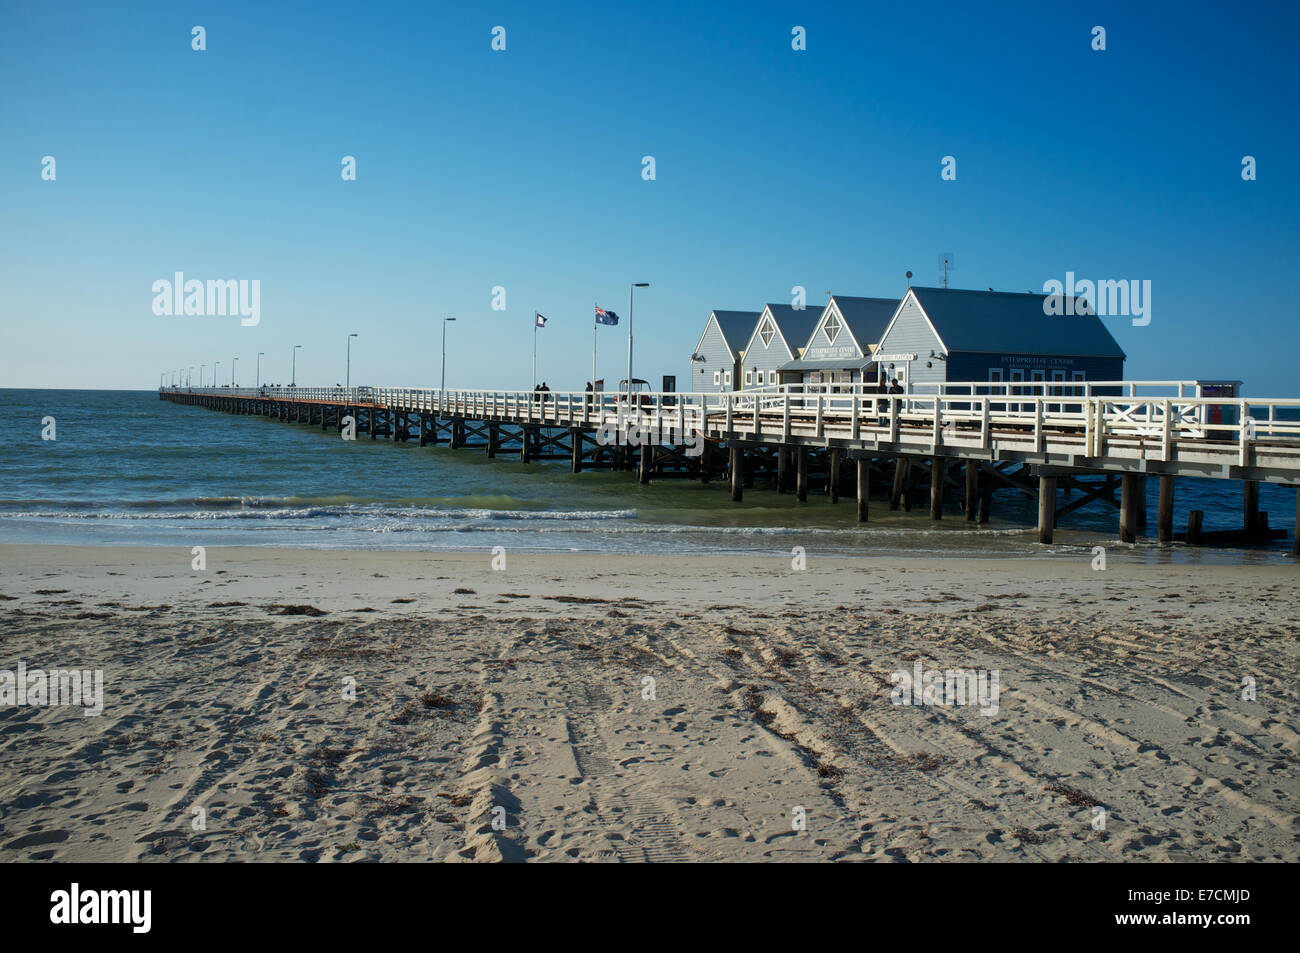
x: 958, y: 439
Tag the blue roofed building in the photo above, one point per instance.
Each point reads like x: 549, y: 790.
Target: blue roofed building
x: 778, y: 338
x: 715, y: 363
x: 947, y: 334
x: 839, y: 351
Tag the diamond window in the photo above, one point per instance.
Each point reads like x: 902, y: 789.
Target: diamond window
x: 831, y: 328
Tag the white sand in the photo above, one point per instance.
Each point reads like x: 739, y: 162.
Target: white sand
x: 772, y: 692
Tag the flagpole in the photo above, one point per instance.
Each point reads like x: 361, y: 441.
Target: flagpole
x: 595, y: 325
x: 534, y: 350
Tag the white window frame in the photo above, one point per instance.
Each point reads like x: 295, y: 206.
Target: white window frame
x: 771, y: 377
x: 826, y: 328
x: 749, y: 378
x: 717, y: 378
x: 726, y: 378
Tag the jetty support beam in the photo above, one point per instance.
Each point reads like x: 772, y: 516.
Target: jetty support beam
x: 972, y: 489
x: 936, y: 487
x: 1046, y: 508
x: 1128, y: 507
x: 864, y: 488
x: 1165, y: 510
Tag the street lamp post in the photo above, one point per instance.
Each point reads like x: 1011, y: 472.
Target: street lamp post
x: 259, y: 369
x: 442, y: 388
x: 639, y: 284
x: 347, y: 380
x: 293, y: 374
x: 233, y: 362
x: 215, y: 365
x: 201, y: 367
x: 189, y: 378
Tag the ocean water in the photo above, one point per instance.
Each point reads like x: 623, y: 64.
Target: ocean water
x: 128, y: 468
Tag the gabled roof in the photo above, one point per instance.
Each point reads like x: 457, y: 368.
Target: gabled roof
x: 1009, y: 323
x: 795, y: 327
x: 866, y: 318
x: 737, y: 327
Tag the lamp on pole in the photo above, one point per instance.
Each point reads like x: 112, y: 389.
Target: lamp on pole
x: 293, y: 374
x: 347, y: 380
x: 215, y: 365
x: 201, y: 367
x: 639, y: 284
x: 442, y: 388
x: 259, y: 369
x: 189, y: 378
x: 233, y: 362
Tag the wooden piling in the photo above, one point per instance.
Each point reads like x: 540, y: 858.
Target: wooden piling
x: 494, y: 440
x: 1128, y: 507
x: 705, y: 455
x: 900, y: 474
x: 1295, y: 545
x: 833, y: 481
x: 801, y: 474
x: 1046, y: 508
x: 972, y: 489
x: 575, y: 450
x: 525, y: 445
x: 986, y: 503
x: 1165, y: 509
x: 936, y: 487
x: 864, y: 488
x: 737, y: 473
x: 782, y: 477
x: 1249, y: 504
x: 646, y: 463
x: 1141, y: 501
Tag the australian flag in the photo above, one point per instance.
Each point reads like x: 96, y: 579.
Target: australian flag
x: 605, y: 317
x: 541, y: 321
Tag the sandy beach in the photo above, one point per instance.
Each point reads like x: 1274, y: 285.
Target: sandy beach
x: 344, y: 706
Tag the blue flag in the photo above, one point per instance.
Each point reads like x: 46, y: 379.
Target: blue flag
x: 605, y: 317
x: 541, y: 321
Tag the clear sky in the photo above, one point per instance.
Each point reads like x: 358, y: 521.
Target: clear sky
x: 523, y: 169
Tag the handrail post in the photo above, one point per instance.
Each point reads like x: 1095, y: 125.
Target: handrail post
x: 1166, y: 438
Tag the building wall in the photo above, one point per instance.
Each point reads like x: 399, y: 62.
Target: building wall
x: 911, y: 334
x: 765, y: 359
x: 717, y: 357
x: 969, y: 366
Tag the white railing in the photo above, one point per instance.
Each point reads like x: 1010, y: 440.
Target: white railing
x: 1087, y: 425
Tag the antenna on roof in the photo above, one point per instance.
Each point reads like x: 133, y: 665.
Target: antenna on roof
x: 945, y: 263
x: 909, y: 279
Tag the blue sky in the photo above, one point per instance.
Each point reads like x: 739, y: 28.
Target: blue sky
x: 522, y: 169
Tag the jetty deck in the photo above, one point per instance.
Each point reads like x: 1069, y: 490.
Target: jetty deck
x: 970, y: 437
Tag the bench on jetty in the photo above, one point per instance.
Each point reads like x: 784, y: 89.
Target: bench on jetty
x: 1036, y: 437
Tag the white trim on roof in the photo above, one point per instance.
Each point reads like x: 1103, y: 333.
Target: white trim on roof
x: 844, y: 326
x: 767, y: 313
x: 899, y: 310
x: 712, y: 320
